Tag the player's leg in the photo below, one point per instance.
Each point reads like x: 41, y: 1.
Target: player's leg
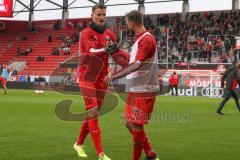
x: 226, y: 96
x: 176, y: 90
x: 1, y: 80
x: 235, y: 96
x: 138, y: 140
x: 141, y: 142
x: 161, y: 89
x: 5, y: 89
x: 136, y: 131
x: 83, y: 133
x: 101, y: 90
x: 147, y: 103
x: 94, y: 129
x: 95, y: 101
x: 88, y: 92
x: 95, y: 132
x: 169, y: 89
x: 172, y: 88
x: 90, y: 101
x: 137, y: 113
x: 4, y: 84
x: 146, y: 145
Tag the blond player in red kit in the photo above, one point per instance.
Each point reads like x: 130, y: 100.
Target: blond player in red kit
x: 96, y: 44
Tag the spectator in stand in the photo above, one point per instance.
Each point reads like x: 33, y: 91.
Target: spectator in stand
x: 34, y: 29
x: 56, y: 25
x: 224, y: 58
x: 84, y: 25
x: 40, y: 58
x: 24, y: 38
x: 49, y: 38
x: 66, y: 51
x: 75, y: 25
x: 18, y: 51
x: 75, y: 38
x: 55, y: 51
x: 236, y: 54
x: 209, y: 51
x: 66, y: 46
x: 28, y: 50
x: 195, y: 31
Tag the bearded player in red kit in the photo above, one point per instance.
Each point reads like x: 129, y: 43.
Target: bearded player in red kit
x: 96, y: 44
x: 141, y: 85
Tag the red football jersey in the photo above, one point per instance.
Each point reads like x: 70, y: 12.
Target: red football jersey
x: 145, y: 51
x: 93, y: 58
x: 174, y: 80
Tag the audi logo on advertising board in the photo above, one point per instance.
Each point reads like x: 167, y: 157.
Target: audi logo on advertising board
x: 212, y: 92
x: 201, y: 91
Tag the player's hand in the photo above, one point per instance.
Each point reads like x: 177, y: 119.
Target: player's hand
x: 108, y: 78
x: 111, y: 47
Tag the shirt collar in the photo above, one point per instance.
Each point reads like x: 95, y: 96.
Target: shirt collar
x: 140, y: 34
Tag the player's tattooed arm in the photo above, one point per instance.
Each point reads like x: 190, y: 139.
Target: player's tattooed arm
x: 121, y: 58
x: 123, y: 72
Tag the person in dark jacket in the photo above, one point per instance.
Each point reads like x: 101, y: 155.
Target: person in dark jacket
x: 232, y: 78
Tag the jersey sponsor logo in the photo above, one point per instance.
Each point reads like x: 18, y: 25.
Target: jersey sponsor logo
x: 92, y: 50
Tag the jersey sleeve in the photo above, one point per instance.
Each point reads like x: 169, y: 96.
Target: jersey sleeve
x: 146, y: 48
x: 121, y: 57
x: 112, y: 36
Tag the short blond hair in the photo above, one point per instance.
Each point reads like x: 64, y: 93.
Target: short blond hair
x: 98, y: 6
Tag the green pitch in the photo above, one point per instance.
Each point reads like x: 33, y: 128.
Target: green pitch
x: 183, y: 128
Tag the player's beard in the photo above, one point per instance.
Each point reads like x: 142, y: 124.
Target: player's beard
x: 97, y: 28
x: 132, y: 33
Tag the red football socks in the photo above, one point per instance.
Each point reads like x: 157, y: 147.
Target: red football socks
x: 138, y: 142
x: 146, y: 146
x: 83, y: 133
x: 95, y: 133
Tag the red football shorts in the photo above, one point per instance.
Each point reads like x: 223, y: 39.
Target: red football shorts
x: 4, y: 81
x: 93, y: 93
x: 139, y: 107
